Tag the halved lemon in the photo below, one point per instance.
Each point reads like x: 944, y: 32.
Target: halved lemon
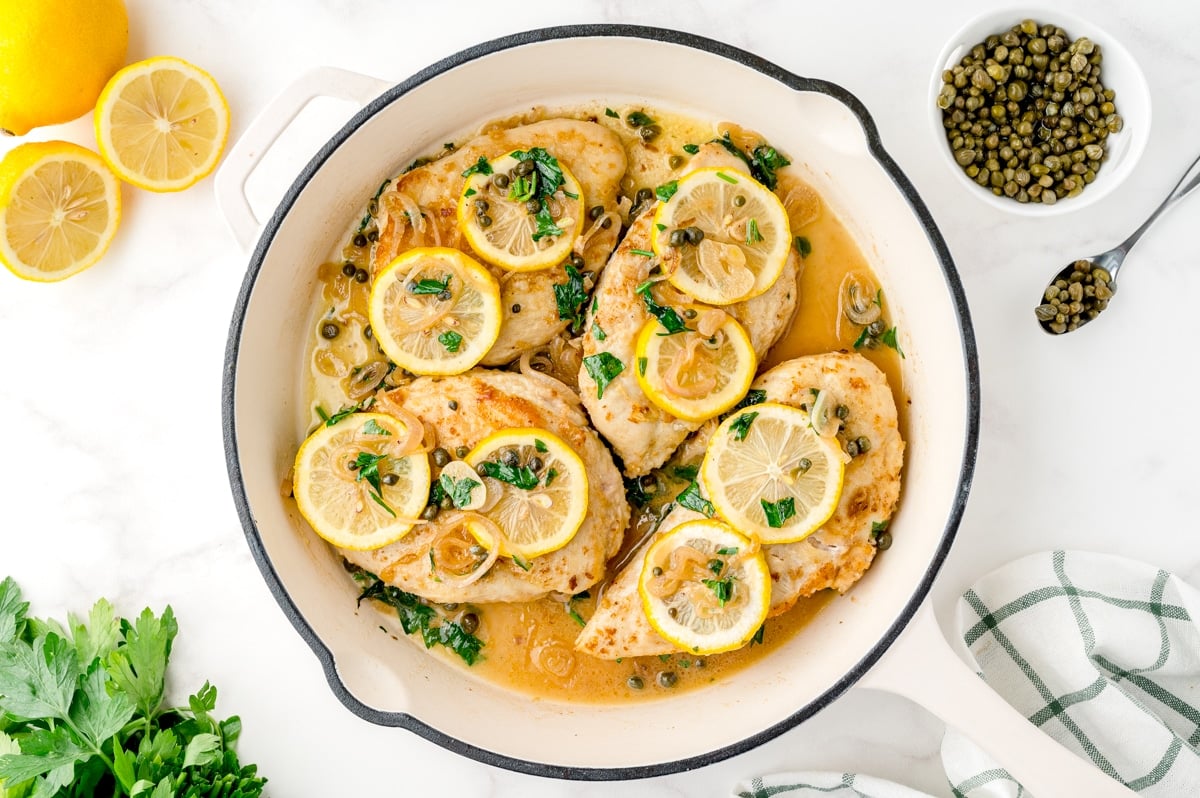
x: 695, y: 376
x: 59, y: 210
x: 161, y: 124
x: 769, y: 474
x: 522, y: 222
x: 353, y: 485
x: 745, y: 236
x: 537, y: 489
x: 704, y: 587
x: 435, y: 311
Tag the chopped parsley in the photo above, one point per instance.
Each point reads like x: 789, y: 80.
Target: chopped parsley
x: 741, y: 425
x: 480, y: 167
x: 570, y: 607
x: 668, y: 317
x: 763, y: 162
x: 598, y: 332
x: 451, y: 340
x: 638, y: 119
x: 727, y: 551
x: 687, y: 473
x: 666, y: 190
x: 634, y: 493
x: 459, y: 490
x: 417, y: 617
x: 642, y: 366
x: 429, y: 286
x: 540, y: 445
x: 517, y: 561
x: 603, y: 368
x: 522, y: 477
x: 550, y: 475
x: 758, y: 636
x: 691, y: 149
x: 611, y: 113
x: 753, y: 397
x: 802, y: 245
x: 723, y: 588
x: 878, y: 526
x: 372, y: 427
x: 778, y: 512
x: 753, y: 236
x: 571, y: 298
x: 338, y: 416
x: 645, y: 253
x: 545, y: 179
x: 727, y: 178
x: 366, y: 468
x: 691, y: 499
x: 889, y: 339
x: 470, y: 192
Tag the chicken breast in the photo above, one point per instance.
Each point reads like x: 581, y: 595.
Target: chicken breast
x: 420, y: 209
x: 837, y: 554
x: 643, y: 435
x: 461, y: 411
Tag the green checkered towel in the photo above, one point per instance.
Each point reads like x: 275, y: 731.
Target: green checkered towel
x: 1102, y: 653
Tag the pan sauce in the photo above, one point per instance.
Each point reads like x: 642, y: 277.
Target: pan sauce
x: 528, y: 646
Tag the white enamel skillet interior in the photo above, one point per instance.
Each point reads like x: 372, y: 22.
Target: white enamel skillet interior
x: 833, y: 141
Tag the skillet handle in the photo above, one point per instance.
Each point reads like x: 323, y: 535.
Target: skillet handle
x: 245, y: 156
x: 922, y: 667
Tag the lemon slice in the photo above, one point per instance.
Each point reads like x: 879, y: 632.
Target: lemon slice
x: 705, y: 588
x: 521, y: 223
x: 352, y: 485
x: 435, y: 311
x: 161, y: 124
x: 770, y: 475
x: 59, y: 210
x: 745, y: 236
x: 695, y: 376
x: 537, y: 490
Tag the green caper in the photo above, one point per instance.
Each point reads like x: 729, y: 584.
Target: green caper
x: 739, y: 201
x: 469, y: 623
x: 694, y: 235
x: 440, y: 457
x: 500, y: 181
x: 635, y: 682
x: 667, y: 679
x: 595, y: 212
x: 484, y: 221
x: 842, y: 412
x: 535, y: 464
x: 389, y: 479
x: 430, y: 512
x: 361, y: 276
x: 649, y: 132
x: 330, y: 330
x: 677, y: 238
x: 524, y: 168
x: 883, y: 541
x: 360, y: 240
x: 864, y: 444
x: 675, y: 161
x: 461, y: 452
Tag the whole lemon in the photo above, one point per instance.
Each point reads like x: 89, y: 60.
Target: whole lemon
x: 55, y: 58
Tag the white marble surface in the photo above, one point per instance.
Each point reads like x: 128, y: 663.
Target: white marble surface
x: 113, y: 479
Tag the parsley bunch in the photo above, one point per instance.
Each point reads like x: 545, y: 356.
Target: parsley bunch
x: 81, y: 712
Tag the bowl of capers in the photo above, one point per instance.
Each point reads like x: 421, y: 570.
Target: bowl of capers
x: 1038, y: 112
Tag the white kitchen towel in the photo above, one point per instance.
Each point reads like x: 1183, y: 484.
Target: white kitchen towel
x: 1100, y: 652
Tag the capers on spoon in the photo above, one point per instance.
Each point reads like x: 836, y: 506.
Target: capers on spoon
x: 1084, y: 287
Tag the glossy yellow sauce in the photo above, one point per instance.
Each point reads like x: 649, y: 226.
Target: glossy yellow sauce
x: 528, y: 646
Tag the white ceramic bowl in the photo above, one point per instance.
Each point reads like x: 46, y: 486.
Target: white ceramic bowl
x: 1119, y: 71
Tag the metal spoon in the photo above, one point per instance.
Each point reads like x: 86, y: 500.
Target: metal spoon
x: 1101, y: 272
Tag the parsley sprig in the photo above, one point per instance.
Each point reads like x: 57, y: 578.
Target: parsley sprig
x: 540, y: 184
x: 417, y: 617
x: 82, y: 711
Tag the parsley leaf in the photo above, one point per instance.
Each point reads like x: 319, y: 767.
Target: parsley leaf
x: 545, y: 224
x: 522, y: 477
x: 550, y: 475
x: 571, y: 298
x: 667, y: 190
x: 603, y: 368
x: 802, y: 245
x: 778, y: 512
x: 723, y: 588
x: 367, y: 468
x: 517, y: 561
x: 691, y: 499
x: 758, y: 636
x: 638, y: 119
x: 741, y: 425
x: 339, y: 415
x: 889, y: 339
x: 727, y: 551
x: 451, y: 340
x: 540, y: 445
x: 611, y: 113
x: 755, y: 396
x: 598, y: 332
x: 687, y: 473
x: 480, y: 167
x: 864, y: 339
x: 642, y: 363
x: 753, y: 236
x: 691, y: 149
x: 765, y: 161
x: 459, y: 490
x: 668, y: 317
x: 372, y: 427
x: 429, y: 286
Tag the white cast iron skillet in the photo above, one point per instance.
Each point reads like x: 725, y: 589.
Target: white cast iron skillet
x: 831, y: 138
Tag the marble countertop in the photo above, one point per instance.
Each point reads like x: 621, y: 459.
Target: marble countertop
x: 113, y: 481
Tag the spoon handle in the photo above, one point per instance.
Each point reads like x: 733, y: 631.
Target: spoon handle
x: 1186, y: 185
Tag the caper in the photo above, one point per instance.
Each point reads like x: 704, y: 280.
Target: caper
x: 643, y: 195
x: 656, y: 571
x: 484, y: 220
x: 348, y: 269
x: 675, y: 161
x: 330, y: 330
x: 510, y: 458
x: 694, y: 235
x: 361, y: 276
x: 576, y: 260
x: 852, y: 448
x: 389, y: 479
x: 461, y: 452
x: 482, y: 204
x: 535, y: 464
x: 864, y: 444
x: 842, y: 412
x: 533, y: 206
x: 469, y: 623
x: 360, y: 240
x: 877, y: 328
x: 524, y: 168
x: 739, y: 201
x: 500, y: 181
x: 883, y: 541
x: 650, y: 132
x: 677, y: 238
x: 596, y: 212
x: 667, y: 679
x: 635, y: 682
x: 430, y: 512
x: 440, y: 456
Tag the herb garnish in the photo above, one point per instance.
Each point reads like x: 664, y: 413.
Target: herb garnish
x: 373, y: 206
x: 690, y: 498
x: 803, y: 246
x: 727, y: 551
x: 667, y: 316
x: 417, y: 616
x: 723, y: 588
x: 727, y: 178
x: 540, y: 445
x: 741, y: 425
x: 758, y: 636
x: 83, y: 714
x: 429, y: 286
x: 459, y: 490
x: 451, y: 340
x: 611, y: 113
x: 366, y: 467
x: 667, y: 190
x: 339, y: 415
x: 550, y: 475
x: 889, y: 339
x: 638, y: 119
x: 645, y: 253
x: 755, y: 396
x: 603, y: 368
x: 542, y: 182
x: 570, y: 297
x: 372, y: 428
x: 687, y: 473
x: 778, y: 512
x: 521, y: 477
x: 480, y: 167
x: 517, y: 561
x: 642, y: 362
x: 753, y: 236
x: 691, y: 149
x: 574, y: 613
x: 598, y: 332
x: 763, y: 162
